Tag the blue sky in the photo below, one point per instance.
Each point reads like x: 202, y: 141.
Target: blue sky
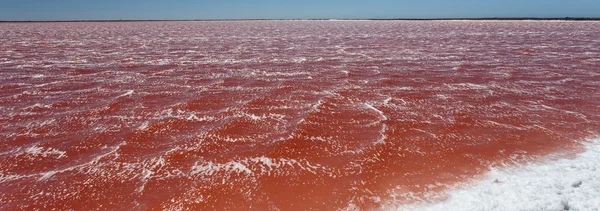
x: 290, y: 9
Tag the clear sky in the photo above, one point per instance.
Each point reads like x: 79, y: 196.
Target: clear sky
x: 290, y: 9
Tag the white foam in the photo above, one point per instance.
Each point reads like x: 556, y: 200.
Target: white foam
x: 562, y: 184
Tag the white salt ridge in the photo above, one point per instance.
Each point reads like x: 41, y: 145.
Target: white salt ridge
x: 261, y: 117
x: 579, y: 115
x: 128, y: 93
x: 47, y: 175
x: 147, y: 172
x: 465, y: 86
x: 211, y: 168
x: 387, y: 100
x: 383, y: 117
x: 563, y: 184
x: 193, y: 117
x: 252, y: 166
x: 45, y: 152
x: 38, y: 105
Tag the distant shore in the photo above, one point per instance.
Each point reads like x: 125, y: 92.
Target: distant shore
x: 386, y: 19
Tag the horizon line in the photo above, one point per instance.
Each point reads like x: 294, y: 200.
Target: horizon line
x: 316, y: 19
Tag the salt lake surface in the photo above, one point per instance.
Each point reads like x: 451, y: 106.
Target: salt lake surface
x: 294, y: 115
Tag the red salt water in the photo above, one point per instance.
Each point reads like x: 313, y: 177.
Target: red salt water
x: 290, y: 115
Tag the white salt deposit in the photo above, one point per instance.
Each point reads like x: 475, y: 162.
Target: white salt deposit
x: 563, y: 184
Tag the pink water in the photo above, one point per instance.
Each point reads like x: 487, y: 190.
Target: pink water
x: 290, y: 115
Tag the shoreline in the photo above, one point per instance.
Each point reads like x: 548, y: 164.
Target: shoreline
x: 556, y: 181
